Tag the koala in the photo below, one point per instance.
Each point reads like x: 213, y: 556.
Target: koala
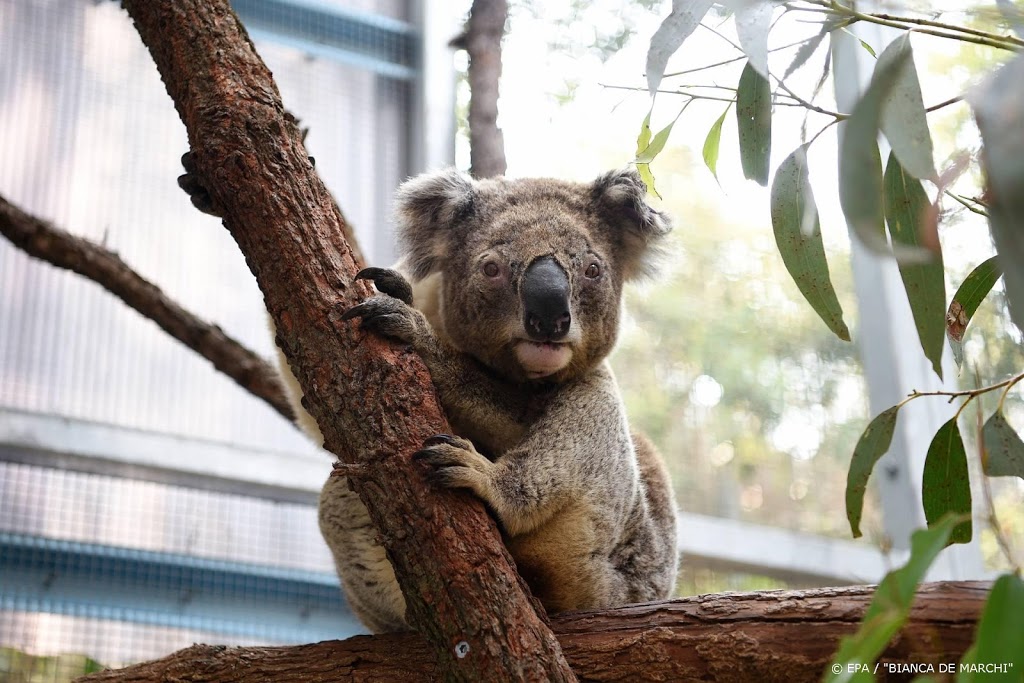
x: 511, y: 292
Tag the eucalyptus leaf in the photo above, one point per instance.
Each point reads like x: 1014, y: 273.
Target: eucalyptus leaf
x: 806, y: 50
x: 999, y: 109
x: 1004, y: 450
x: 925, y: 283
x: 645, y: 175
x: 872, y: 445
x: 753, y: 19
x: 860, y: 164
x: 890, y: 606
x: 798, y: 237
x: 711, y: 144
x: 1000, y: 635
x: 686, y: 15
x: 754, y: 121
x: 904, y: 120
x: 946, y: 487
x: 968, y: 297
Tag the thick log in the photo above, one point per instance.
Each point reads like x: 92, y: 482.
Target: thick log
x: 373, y: 400
x: 765, y: 636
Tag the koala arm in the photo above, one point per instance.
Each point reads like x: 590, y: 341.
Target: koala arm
x: 552, y: 466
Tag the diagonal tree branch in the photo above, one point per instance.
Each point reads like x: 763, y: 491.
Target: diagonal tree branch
x: 42, y: 240
x: 372, y: 399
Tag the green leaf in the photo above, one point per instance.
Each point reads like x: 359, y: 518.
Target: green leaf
x: 946, y: 487
x: 645, y: 175
x: 798, y: 237
x: 860, y: 165
x: 754, y: 120
x: 872, y: 445
x: 904, y: 120
x: 1000, y: 636
x: 686, y: 15
x: 1004, y: 451
x: 905, y: 206
x: 968, y: 297
x: 890, y: 605
x: 657, y: 143
x: 863, y: 43
x: 711, y: 142
x: 643, y: 140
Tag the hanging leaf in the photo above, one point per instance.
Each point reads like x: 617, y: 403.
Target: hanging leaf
x: 753, y: 19
x: 754, y: 121
x: 1000, y: 635
x: 890, y: 606
x: 711, y: 142
x: 863, y: 43
x: 999, y: 109
x: 645, y: 175
x: 798, y: 237
x: 905, y: 207
x: 686, y: 15
x: 872, y: 445
x: 860, y: 164
x: 904, y: 120
x: 656, y: 144
x: 946, y: 487
x: 968, y: 297
x: 1004, y: 451
x: 806, y: 50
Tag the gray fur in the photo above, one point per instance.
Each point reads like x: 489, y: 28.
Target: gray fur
x: 585, y: 506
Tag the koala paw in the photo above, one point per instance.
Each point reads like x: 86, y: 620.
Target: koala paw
x: 387, y: 316
x: 189, y: 182
x: 455, y: 463
x: 388, y: 282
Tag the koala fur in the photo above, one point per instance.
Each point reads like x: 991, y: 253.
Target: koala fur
x: 585, y: 505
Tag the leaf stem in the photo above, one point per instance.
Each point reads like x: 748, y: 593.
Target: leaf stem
x: 969, y: 393
x: 930, y: 27
x: 966, y: 204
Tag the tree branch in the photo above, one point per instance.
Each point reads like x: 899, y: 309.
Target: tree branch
x: 765, y: 636
x: 42, y: 240
x: 372, y: 399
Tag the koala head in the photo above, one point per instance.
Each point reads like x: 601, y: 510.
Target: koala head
x: 531, y: 270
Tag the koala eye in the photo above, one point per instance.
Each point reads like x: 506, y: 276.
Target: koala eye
x: 593, y: 271
x: 491, y: 269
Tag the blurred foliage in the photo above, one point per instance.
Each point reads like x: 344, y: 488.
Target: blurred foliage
x: 20, y: 667
x: 755, y: 404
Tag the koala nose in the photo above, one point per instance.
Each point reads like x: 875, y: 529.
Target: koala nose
x: 545, y: 295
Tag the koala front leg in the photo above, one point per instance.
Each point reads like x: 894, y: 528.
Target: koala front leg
x: 481, y: 406
x: 523, y: 488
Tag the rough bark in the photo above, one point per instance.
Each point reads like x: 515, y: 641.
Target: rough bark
x: 767, y: 636
x: 484, y: 32
x: 42, y: 240
x: 372, y: 399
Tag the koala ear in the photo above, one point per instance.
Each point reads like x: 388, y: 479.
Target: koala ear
x: 427, y: 206
x: 638, y: 227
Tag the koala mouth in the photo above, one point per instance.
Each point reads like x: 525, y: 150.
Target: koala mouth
x: 540, y: 359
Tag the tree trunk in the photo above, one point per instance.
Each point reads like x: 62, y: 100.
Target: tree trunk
x: 484, y: 32
x: 766, y: 636
x: 372, y: 399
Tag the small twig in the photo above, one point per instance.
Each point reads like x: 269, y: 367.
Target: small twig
x: 969, y: 393
x: 349, y: 470
x: 940, y: 105
x: 932, y: 28
x: 966, y: 204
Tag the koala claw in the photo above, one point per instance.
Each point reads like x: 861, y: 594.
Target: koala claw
x: 388, y: 282
x: 454, y: 463
x: 384, y: 315
x: 200, y: 198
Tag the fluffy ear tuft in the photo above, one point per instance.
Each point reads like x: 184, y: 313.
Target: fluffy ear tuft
x: 426, y: 207
x: 623, y: 197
